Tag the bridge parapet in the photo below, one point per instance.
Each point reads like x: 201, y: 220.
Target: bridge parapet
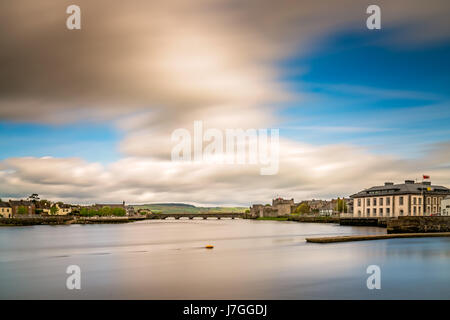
x: 190, y: 216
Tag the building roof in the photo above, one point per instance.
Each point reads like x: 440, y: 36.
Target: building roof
x: 409, y: 187
x: 43, y: 205
x: 4, y: 205
x: 20, y: 203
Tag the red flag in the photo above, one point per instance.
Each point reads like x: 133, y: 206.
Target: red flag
x: 426, y: 177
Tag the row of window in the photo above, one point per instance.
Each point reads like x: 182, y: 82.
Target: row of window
x: 380, y: 201
x: 5, y: 209
x: 435, y: 200
x: 401, y: 199
x: 416, y: 211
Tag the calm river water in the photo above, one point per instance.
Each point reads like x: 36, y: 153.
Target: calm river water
x: 251, y: 260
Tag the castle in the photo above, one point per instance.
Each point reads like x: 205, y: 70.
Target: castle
x: 279, y: 207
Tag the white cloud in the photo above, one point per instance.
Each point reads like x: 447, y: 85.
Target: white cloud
x: 305, y: 172
x: 155, y: 66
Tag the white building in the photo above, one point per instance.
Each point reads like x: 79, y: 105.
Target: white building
x: 445, y: 206
x: 394, y: 200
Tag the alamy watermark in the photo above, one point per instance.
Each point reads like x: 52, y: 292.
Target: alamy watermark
x: 374, y: 280
x: 229, y: 146
x: 373, y: 22
x: 74, y: 280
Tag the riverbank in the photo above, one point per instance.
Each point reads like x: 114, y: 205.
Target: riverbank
x: 273, y: 218
x: 63, y: 220
x: 314, y: 219
x: 376, y: 237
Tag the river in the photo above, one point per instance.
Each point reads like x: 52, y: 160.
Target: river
x: 166, y: 259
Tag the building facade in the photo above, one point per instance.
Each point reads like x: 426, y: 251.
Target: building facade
x: 445, y: 206
x: 394, y: 200
x: 5, y: 210
x: 22, y: 207
x: 279, y: 207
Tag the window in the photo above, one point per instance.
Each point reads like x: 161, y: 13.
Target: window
x: 381, y: 212
x: 414, y: 200
x: 401, y: 212
x: 388, y: 212
x: 381, y: 201
x: 374, y: 212
x: 359, y: 202
x: 400, y: 201
x: 388, y: 201
x: 374, y: 201
x: 419, y: 210
x: 359, y: 213
x: 368, y: 212
x: 414, y: 210
x: 420, y: 201
x: 368, y: 201
x: 428, y: 200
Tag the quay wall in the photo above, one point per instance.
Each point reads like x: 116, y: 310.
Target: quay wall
x: 368, y: 222
x: 410, y: 224
x: 60, y: 220
x: 316, y: 219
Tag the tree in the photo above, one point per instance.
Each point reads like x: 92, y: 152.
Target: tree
x: 341, y: 206
x: 34, y: 197
x: 22, y: 210
x: 53, y: 210
x: 105, y: 211
x: 303, y: 208
x: 118, y: 212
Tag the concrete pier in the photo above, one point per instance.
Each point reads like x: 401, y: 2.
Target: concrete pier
x: 376, y: 237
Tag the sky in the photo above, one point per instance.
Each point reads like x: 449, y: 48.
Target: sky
x: 87, y: 115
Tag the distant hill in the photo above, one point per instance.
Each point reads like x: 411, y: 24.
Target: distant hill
x: 186, y: 208
x: 171, y: 205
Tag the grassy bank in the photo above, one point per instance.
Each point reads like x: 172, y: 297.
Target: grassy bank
x: 273, y: 218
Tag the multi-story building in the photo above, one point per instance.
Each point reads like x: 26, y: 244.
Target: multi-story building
x: 22, y: 207
x: 393, y: 200
x: 445, y: 206
x: 5, y: 210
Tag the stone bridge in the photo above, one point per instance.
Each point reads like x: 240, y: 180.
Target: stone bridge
x: 191, y: 216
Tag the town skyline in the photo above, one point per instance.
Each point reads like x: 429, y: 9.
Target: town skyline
x: 89, y: 117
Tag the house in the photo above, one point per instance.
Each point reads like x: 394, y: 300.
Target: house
x: 62, y: 209
x: 43, y: 207
x: 445, y: 206
x: 5, y: 210
x: 405, y: 199
x: 22, y: 207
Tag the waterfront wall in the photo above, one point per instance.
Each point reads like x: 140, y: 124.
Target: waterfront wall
x: 317, y: 219
x: 27, y: 221
x: 365, y: 222
x: 59, y: 220
x: 410, y: 224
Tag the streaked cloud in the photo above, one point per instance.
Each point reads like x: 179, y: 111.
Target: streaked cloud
x: 153, y: 66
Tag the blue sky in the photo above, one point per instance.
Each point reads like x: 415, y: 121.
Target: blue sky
x: 393, y: 99
x: 355, y: 89
x: 349, y: 101
x: 89, y: 141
